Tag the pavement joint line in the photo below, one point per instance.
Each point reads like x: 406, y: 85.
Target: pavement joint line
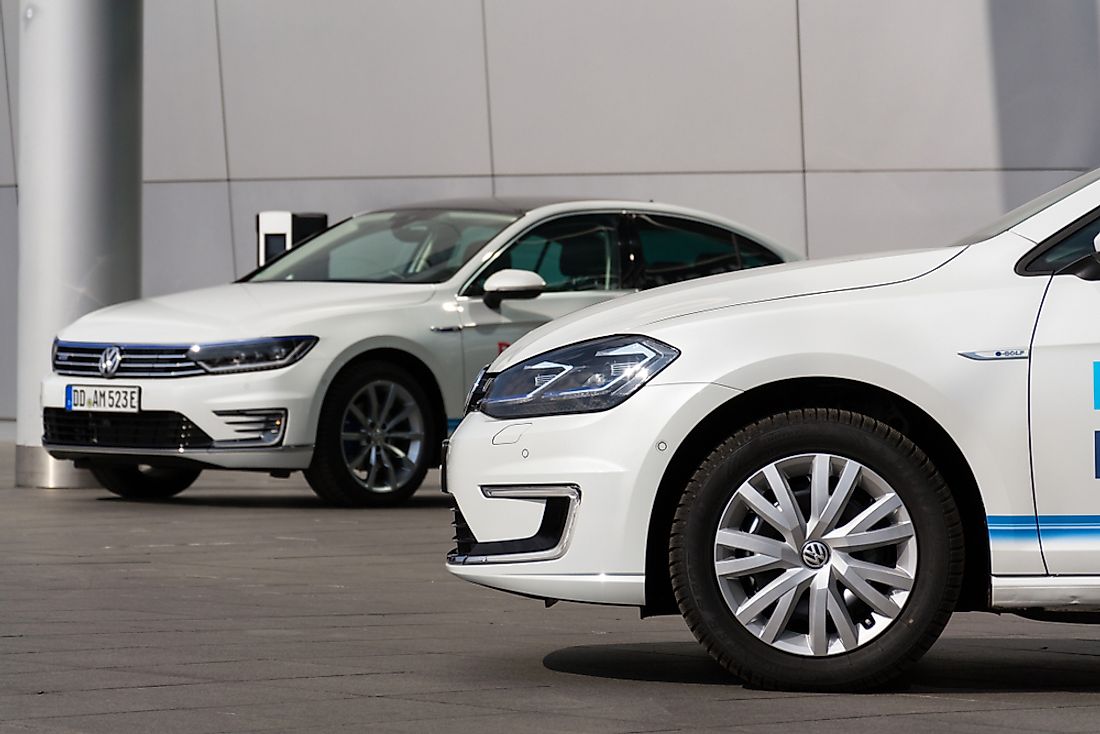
x: 192, y: 680
x: 584, y: 714
x: 49, y: 717
x: 944, y: 698
x: 866, y: 717
x: 484, y: 711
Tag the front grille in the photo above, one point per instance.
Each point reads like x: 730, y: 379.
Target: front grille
x: 81, y: 359
x: 154, y: 429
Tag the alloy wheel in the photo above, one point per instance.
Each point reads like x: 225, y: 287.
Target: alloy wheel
x: 382, y: 436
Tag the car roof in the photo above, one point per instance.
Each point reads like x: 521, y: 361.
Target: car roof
x: 520, y: 206
x: 503, y: 204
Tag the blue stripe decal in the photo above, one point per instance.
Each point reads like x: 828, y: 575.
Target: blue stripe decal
x: 1070, y: 527
x: 1025, y: 528
x: 452, y: 424
x: 1096, y: 385
x: 1013, y: 528
x: 1007, y: 520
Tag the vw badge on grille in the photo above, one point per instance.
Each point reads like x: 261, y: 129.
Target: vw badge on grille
x: 109, y: 361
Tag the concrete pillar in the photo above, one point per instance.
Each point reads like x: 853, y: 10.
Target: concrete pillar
x: 79, y: 189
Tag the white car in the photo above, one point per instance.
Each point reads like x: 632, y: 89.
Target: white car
x: 815, y: 464
x: 349, y: 356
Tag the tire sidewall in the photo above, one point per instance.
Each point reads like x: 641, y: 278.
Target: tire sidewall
x: 715, y: 485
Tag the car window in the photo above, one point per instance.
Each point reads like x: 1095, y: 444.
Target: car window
x: 675, y: 249
x: 403, y: 246
x: 578, y: 253
x: 1068, y: 250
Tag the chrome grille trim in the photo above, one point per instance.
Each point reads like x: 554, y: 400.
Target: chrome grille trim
x: 81, y: 359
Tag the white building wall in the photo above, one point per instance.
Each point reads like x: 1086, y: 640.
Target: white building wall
x: 836, y: 126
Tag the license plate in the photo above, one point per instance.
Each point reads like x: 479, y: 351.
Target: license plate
x: 121, y: 399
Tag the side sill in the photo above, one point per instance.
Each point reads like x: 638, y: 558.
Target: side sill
x: 1062, y: 593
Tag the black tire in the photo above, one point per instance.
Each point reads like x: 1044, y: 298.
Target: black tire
x: 394, y: 480
x: 930, y: 518
x: 142, y: 482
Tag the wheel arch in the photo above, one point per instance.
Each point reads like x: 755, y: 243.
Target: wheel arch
x: 406, y: 360
x: 819, y: 392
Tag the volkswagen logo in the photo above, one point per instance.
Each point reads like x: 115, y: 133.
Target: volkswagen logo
x: 109, y: 361
x: 815, y: 554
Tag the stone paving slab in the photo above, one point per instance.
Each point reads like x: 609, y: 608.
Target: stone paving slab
x: 246, y: 605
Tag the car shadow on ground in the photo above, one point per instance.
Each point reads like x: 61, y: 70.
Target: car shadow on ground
x: 656, y: 662
x: 266, y: 500
x: 953, y: 665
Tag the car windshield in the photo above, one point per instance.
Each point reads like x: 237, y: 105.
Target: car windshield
x: 404, y: 246
x: 1025, y: 211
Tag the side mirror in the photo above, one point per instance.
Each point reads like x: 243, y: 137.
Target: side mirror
x: 1096, y: 243
x: 511, y: 283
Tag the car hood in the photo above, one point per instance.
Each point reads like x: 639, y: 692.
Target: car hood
x: 239, y: 310
x: 634, y: 313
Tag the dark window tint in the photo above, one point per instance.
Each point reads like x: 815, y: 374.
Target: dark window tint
x: 755, y: 255
x: 578, y: 253
x: 1069, y: 250
x: 674, y: 250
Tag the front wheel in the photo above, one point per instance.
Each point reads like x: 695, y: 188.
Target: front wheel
x: 817, y: 549
x: 142, y: 482
x: 373, y: 435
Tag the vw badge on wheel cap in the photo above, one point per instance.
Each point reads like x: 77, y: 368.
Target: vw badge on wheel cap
x: 815, y: 554
x: 109, y: 361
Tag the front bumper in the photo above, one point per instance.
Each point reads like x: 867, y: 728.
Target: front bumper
x: 209, y: 406
x: 507, y: 477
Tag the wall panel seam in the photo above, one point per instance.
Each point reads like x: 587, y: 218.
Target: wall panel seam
x: 488, y: 99
x: 7, y: 91
x: 615, y: 174
x: 802, y: 125
x: 225, y: 139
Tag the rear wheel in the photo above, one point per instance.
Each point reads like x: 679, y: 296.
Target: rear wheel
x: 817, y: 549
x: 143, y: 482
x: 373, y: 435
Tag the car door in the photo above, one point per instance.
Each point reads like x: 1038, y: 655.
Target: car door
x: 666, y: 249
x: 579, y: 256
x: 1065, y: 408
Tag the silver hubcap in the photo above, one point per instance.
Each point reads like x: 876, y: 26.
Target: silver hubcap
x: 815, y: 554
x: 382, y: 436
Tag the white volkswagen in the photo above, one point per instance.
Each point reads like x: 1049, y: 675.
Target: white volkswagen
x: 815, y: 465
x: 349, y: 357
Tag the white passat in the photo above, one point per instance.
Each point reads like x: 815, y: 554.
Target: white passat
x: 816, y: 464
x: 349, y: 356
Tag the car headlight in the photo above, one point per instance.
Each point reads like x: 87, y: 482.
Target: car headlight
x: 253, y: 354
x: 586, y: 377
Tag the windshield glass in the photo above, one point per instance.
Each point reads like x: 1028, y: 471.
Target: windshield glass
x: 405, y: 246
x: 1007, y: 221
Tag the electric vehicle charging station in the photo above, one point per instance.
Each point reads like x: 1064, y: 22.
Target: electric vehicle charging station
x: 278, y: 231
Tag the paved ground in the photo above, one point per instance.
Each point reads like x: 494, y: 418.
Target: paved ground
x: 245, y: 605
